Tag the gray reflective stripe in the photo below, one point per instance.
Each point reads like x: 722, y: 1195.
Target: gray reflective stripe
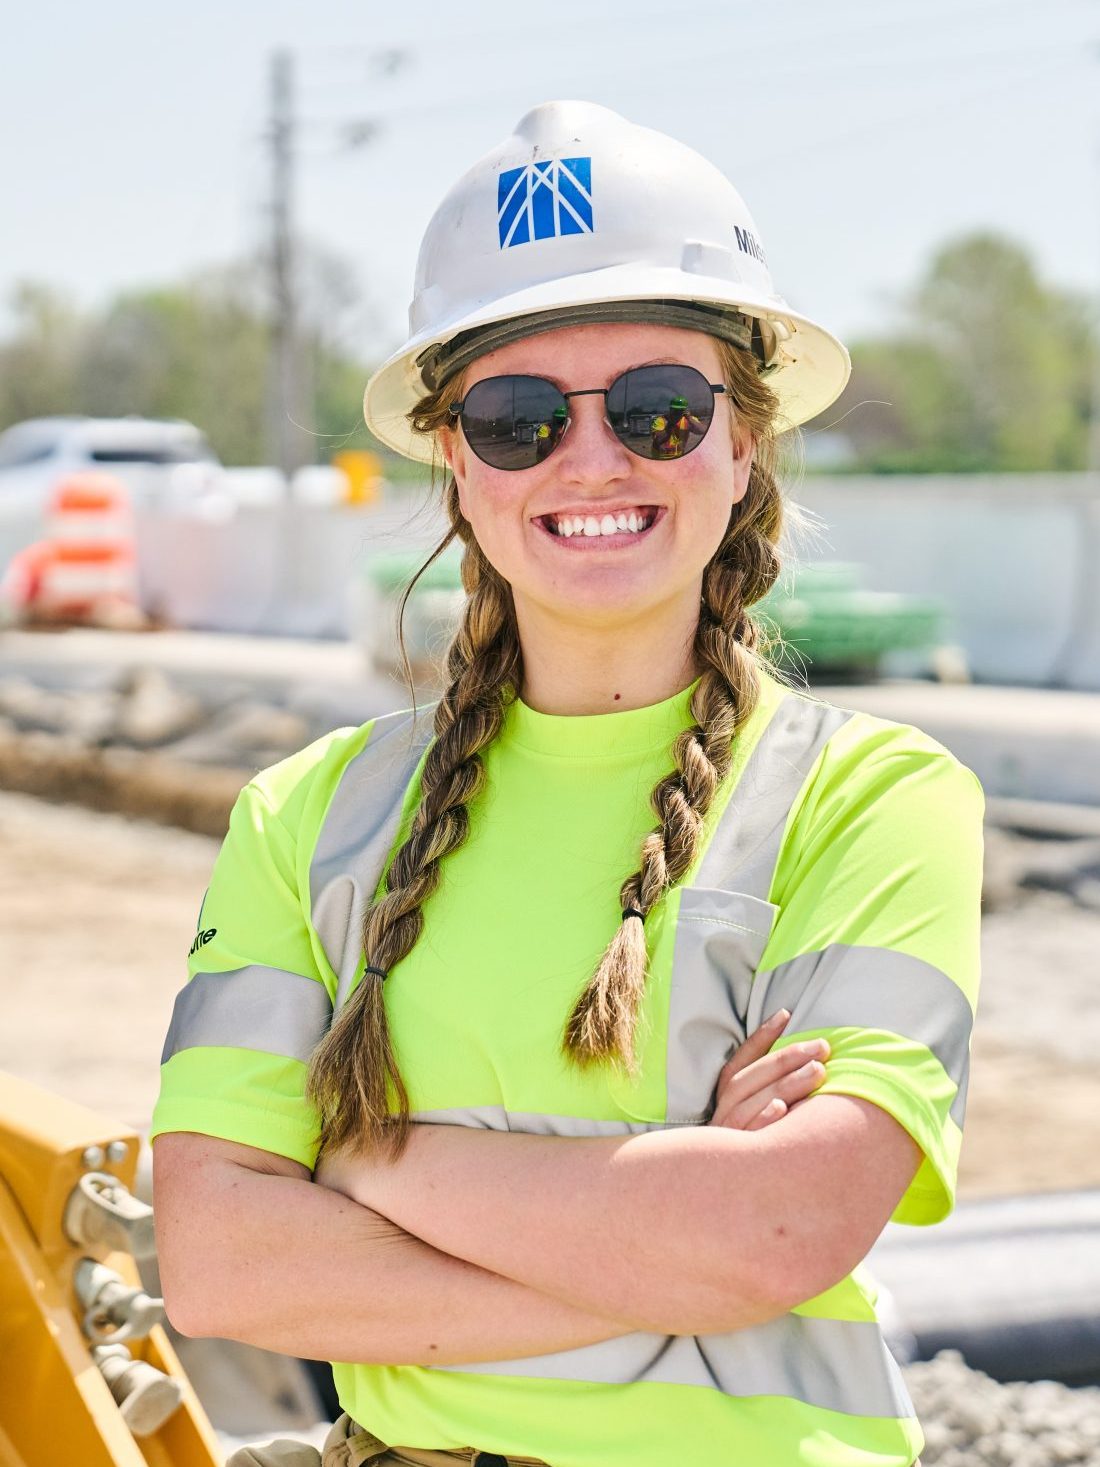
x: 725, y: 919
x: 359, y: 829
x: 250, y: 1008
x: 745, y: 847
x: 837, y: 1364
x: 873, y: 988
x: 496, y: 1118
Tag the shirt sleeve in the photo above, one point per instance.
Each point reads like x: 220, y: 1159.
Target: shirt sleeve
x: 876, y: 946
x: 258, y: 996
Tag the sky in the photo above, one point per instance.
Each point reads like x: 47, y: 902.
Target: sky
x: 861, y: 133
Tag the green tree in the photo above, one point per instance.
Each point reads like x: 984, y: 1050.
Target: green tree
x: 198, y: 350
x: 989, y: 371
x: 38, y: 362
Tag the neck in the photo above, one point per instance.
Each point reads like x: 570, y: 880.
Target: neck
x: 573, y: 668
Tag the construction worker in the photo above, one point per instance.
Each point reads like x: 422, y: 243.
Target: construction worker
x: 552, y: 1061
x: 548, y: 434
x: 672, y: 430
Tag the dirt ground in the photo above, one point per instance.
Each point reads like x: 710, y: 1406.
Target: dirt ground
x: 99, y: 911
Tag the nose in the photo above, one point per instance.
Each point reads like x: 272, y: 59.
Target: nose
x: 589, y: 452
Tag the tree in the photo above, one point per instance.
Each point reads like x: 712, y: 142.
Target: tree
x: 990, y: 371
x: 198, y: 350
x: 38, y: 363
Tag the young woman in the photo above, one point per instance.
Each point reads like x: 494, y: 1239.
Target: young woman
x: 554, y: 1062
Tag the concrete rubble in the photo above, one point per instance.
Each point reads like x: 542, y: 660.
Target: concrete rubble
x: 970, y: 1420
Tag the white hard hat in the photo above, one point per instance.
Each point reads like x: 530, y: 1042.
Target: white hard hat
x: 583, y: 216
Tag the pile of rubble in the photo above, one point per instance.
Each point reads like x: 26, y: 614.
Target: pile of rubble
x: 145, y: 746
x: 970, y: 1420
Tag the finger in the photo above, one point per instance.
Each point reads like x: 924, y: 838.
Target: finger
x: 790, y: 1088
x: 757, y: 1074
x: 775, y: 1110
x: 757, y: 1044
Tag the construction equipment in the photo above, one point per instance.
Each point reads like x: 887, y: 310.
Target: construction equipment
x: 89, y: 1376
x: 827, y: 619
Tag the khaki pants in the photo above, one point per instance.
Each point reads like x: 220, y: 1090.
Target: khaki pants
x: 349, y: 1445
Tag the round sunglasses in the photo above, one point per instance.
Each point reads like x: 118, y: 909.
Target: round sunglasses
x: 658, y: 412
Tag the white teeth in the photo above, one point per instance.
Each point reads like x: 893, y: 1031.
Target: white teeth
x: 609, y: 524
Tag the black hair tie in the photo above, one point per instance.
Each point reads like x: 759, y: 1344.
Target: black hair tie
x: 380, y: 971
x: 634, y: 912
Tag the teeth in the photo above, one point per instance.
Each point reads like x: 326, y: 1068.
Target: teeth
x: 610, y: 524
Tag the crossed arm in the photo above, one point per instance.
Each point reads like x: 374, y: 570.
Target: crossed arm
x: 485, y: 1245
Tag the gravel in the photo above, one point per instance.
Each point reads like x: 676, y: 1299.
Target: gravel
x: 970, y: 1420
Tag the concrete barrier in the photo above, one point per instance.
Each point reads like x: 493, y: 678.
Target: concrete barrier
x: 1012, y: 1282
x: 1013, y: 557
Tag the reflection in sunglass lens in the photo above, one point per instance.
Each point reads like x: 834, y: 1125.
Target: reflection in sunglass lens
x: 514, y: 422
x: 660, y: 411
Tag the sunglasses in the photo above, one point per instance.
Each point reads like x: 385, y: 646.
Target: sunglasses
x: 659, y: 412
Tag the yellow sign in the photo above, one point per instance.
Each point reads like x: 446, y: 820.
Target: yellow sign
x: 363, y: 472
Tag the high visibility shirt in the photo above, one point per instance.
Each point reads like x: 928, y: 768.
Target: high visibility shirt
x: 839, y: 877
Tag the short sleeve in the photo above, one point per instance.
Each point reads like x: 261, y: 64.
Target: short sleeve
x: 256, y: 1002
x: 876, y: 946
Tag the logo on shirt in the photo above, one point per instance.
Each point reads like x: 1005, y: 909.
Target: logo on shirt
x: 202, y: 939
x: 543, y: 200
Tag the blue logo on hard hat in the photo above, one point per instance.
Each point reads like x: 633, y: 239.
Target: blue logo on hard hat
x: 544, y: 200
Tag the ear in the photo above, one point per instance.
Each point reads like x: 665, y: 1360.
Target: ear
x: 448, y: 445
x: 454, y: 453
x: 744, y: 447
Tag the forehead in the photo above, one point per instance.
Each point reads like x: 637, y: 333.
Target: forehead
x: 598, y: 353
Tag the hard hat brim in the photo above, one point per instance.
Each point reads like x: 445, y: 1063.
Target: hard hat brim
x: 812, y: 371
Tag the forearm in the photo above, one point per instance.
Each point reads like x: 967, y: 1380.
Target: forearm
x: 290, y: 1266
x: 696, y: 1230
x: 648, y: 1229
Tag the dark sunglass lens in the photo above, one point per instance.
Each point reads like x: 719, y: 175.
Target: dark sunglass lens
x: 513, y: 422
x: 660, y: 411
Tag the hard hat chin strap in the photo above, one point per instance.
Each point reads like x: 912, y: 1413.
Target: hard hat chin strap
x: 441, y: 361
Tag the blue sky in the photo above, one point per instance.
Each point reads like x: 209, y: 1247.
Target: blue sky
x: 861, y: 134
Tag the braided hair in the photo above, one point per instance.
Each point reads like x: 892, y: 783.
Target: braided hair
x: 354, y: 1078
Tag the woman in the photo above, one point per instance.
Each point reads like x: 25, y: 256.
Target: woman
x: 587, y: 1194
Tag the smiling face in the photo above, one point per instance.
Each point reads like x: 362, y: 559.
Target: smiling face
x: 536, y: 525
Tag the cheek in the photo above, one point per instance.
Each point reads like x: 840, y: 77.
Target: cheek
x: 490, y: 502
x: 707, y: 492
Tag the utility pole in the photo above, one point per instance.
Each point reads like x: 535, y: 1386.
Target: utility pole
x: 284, y: 381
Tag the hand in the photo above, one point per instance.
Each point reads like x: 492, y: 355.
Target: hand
x: 756, y: 1087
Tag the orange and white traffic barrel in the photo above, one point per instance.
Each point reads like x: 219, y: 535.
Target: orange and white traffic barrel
x: 92, y: 569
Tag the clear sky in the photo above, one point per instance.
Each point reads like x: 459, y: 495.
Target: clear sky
x: 860, y: 132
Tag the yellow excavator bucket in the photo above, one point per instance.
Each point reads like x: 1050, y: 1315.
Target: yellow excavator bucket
x: 88, y: 1374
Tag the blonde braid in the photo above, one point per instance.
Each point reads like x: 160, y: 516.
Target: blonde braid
x: 354, y: 1069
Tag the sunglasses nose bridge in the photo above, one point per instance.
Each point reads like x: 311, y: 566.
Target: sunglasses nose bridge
x: 588, y: 430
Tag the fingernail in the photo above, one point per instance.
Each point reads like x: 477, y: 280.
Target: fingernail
x: 780, y: 1018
